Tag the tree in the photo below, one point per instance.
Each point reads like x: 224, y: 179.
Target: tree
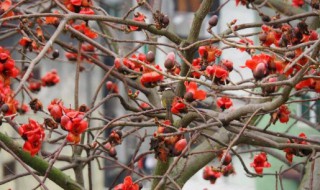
x: 197, y: 121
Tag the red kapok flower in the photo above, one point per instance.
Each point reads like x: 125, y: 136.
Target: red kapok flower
x: 74, y: 123
x: 192, y: 92
x: 86, y: 11
x: 127, y: 185
x: 178, y: 106
x: 56, y: 109
x: 209, y: 53
x: 33, y: 133
x: 224, y: 102
x: 85, y: 30
x: 245, y: 41
x: 260, y: 161
x: 259, y: 65
x: 112, y: 87
x: 297, y: 3
x: 5, y: 5
x: 35, y: 86
x: 196, y: 65
x: 283, y: 114
x: 50, y: 78
x: 22, y: 109
x: 291, y: 151
x: 139, y: 17
x: 53, y: 20
x: 219, y: 73
x: 209, y: 173
x: 151, y: 78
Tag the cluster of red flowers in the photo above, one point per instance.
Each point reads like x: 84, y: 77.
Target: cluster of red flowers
x: 167, y: 146
x: 80, y: 6
x: 83, y: 28
x: 212, y: 174
x: 33, y: 134
x: 260, y: 161
x: 286, y: 35
x: 192, y: 94
x: 149, y: 78
x: 297, y: 152
x: 8, y: 70
x: 51, y: 78
x: 5, y: 6
x: 127, y: 185
x: 75, y: 124
x: 218, y: 72
x: 70, y: 120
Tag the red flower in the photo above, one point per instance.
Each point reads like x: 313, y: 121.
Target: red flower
x: 224, y: 102
x: 86, y: 11
x: 5, y: 5
x: 22, y: 109
x: 7, y: 64
x: 178, y: 106
x: 144, y: 106
x: 56, y: 109
x: 53, y: 20
x: 34, y: 86
x: 209, y: 173
x: 151, y: 78
x: 209, y: 53
x: 25, y: 41
x: 85, y: 30
x: 76, y: 2
x: 50, y: 78
x: 180, y: 145
x: 74, y: 123
x: 283, y: 114
x: 259, y: 65
x: 139, y: 17
x: 33, y: 133
x: 227, y: 64
x: 127, y: 185
x: 112, y: 87
x: 297, y: 3
x: 305, y: 83
x: 227, y: 170
x: 196, y: 65
x: 260, y: 161
x: 219, y: 73
x: 71, y: 56
x: 227, y: 159
x: 242, y: 2
x: 245, y: 41
x: 77, y: 6
x: 291, y: 151
x: 193, y: 92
